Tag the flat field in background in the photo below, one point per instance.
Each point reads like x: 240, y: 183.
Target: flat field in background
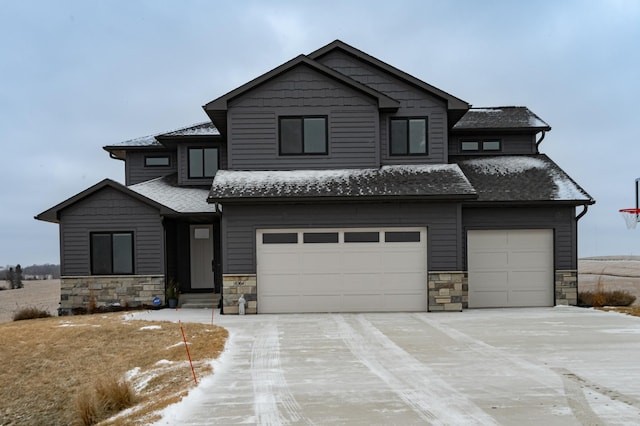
x: 610, y: 273
x: 43, y: 295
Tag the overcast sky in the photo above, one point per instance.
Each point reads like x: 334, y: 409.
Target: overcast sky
x: 79, y: 75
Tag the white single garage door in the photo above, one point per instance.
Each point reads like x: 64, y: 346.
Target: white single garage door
x: 342, y: 270
x: 510, y: 268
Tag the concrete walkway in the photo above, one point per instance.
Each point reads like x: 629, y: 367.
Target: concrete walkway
x: 546, y: 366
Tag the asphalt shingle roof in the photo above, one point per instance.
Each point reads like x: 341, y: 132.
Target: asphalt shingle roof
x: 165, y: 190
x: 521, y: 178
x: 434, y: 181
x: 201, y: 129
x: 510, y: 117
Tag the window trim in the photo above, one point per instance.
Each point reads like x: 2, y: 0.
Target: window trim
x: 302, y: 118
x: 408, y: 140
x: 111, y: 235
x: 202, y: 148
x: 146, y: 157
x: 481, y: 142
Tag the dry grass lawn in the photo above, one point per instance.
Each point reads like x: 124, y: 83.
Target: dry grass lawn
x: 48, y: 364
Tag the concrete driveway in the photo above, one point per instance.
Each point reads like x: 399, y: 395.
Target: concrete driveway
x: 545, y: 366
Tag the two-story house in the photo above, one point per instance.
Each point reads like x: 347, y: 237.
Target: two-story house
x: 332, y: 183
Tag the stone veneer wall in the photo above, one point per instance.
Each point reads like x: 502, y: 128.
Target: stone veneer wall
x: 448, y: 291
x: 235, y: 285
x: 126, y: 290
x: 567, y: 287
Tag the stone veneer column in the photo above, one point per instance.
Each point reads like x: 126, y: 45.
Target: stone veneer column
x: 109, y: 290
x: 235, y: 285
x: 566, y: 287
x: 448, y: 291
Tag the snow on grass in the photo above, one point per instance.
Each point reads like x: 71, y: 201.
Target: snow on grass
x: 151, y: 327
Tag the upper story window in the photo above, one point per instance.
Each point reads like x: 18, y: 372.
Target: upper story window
x: 480, y: 145
x: 203, y: 162
x: 111, y: 253
x: 157, y: 161
x: 303, y: 135
x: 408, y: 136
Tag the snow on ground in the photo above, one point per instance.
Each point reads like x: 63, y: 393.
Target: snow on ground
x: 503, y: 366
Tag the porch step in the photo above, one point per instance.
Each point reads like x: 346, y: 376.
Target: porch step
x: 198, y: 300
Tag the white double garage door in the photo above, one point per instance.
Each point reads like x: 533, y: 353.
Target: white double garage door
x: 385, y: 269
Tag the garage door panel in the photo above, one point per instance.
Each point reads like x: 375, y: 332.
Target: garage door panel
x: 491, y: 299
x: 363, y: 260
x: 493, y: 259
x: 529, y: 259
x: 343, y: 276
x: 510, y: 267
x: 404, y: 260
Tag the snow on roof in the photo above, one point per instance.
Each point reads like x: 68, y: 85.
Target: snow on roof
x: 165, y: 190
x: 533, y: 177
x: 405, y: 180
x: 139, y: 142
x: 200, y: 129
x: 507, y: 117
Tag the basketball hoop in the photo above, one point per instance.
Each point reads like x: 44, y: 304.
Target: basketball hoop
x: 631, y: 217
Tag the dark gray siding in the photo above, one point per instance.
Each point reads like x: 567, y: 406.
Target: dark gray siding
x: 136, y: 172
x: 183, y: 161
x: 241, y: 222
x: 512, y: 143
x: 253, y: 123
x: 560, y: 219
x: 111, y: 210
x: 414, y: 103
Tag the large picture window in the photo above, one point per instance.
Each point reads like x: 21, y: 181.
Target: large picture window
x: 408, y: 136
x: 111, y: 253
x: 303, y: 135
x: 203, y: 162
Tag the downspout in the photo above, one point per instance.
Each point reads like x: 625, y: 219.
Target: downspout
x: 586, y: 207
x: 114, y: 157
x: 540, y: 141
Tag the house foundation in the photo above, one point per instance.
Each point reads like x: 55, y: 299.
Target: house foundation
x: 233, y: 286
x: 110, y: 290
x: 448, y: 291
x: 566, y: 287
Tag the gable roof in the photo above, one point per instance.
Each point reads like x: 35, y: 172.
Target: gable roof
x: 388, y: 183
x: 501, y: 118
x: 53, y: 214
x: 453, y: 103
x: 526, y: 178
x: 216, y: 109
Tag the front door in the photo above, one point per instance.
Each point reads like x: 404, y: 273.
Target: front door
x: 201, y: 247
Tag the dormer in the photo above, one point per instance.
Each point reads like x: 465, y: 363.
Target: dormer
x: 509, y: 130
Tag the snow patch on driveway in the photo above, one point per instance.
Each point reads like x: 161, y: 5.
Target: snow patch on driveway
x: 433, y: 400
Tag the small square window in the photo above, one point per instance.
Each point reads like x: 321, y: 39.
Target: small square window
x: 303, y: 135
x: 408, y: 136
